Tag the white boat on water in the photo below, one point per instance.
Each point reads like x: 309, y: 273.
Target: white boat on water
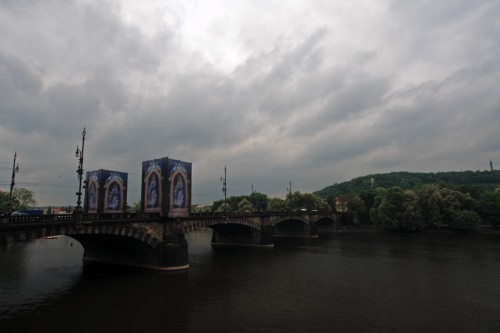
x: 53, y: 237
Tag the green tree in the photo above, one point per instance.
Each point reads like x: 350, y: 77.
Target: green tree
x: 223, y: 208
x: 430, y: 201
x: 331, y: 201
x: 311, y: 201
x: 21, y: 199
x: 368, y: 197
x: 356, y: 209
x: 308, y: 201
x: 489, y: 207
x: 391, y: 208
x: 465, y: 220
x: 276, y: 205
x: 4, y: 201
x: 294, y: 201
x: 412, y: 217
x: 379, y: 194
x: 374, y: 219
x: 400, y: 210
x: 24, y: 197
x: 245, y: 206
x: 453, y: 206
x: 259, y: 201
x: 441, y: 205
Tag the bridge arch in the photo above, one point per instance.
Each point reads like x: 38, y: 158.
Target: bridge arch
x: 325, y: 220
x: 115, y: 249
x: 286, y: 219
x: 235, y: 231
x: 291, y: 226
x: 239, y: 222
x: 140, y: 242
x: 128, y: 245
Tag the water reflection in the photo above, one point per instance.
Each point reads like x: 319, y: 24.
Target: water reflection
x: 35, y: 273
x: 343, y: 282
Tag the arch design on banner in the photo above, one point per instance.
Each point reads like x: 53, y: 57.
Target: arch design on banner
x: 152, y: 188
x: 179, y: 191
x: 93, y: 193
x: 114, y: 193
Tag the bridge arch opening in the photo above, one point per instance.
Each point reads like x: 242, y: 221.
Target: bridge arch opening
x: 229, y: 233
x: 117, y: 249
x: 325, y: 224
x: 325, y: 221
x: 291, y: 227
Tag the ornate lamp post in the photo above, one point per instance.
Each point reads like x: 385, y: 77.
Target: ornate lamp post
x: 15, y: 169
x: 224, y: 187
x: 79, y: 171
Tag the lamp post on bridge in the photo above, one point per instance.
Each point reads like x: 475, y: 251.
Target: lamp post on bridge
x: 79, y: 171
x: 15, y: 169
x: 224, y: 187
x: 289, y: 190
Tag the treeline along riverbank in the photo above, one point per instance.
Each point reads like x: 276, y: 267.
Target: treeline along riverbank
x: 417, y: 201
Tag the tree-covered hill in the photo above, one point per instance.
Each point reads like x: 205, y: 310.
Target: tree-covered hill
x: 411, y: 180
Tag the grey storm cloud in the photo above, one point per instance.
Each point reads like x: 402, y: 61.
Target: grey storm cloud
x: 311, y: 92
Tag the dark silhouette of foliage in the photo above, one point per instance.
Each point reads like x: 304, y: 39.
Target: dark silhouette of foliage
x: 472, y: 182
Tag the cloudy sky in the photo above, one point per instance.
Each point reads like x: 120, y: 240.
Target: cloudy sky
x: 312, y: 92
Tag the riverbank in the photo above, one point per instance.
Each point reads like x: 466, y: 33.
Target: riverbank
x: 378, y: 228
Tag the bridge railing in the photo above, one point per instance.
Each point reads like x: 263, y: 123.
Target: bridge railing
x: 25, y: 220
x: 122, y: 216
x: 142, y: 217
x: 255, y: 214
x: 39, y: 218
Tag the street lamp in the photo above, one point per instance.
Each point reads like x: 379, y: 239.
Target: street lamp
x: 79, y: 171
x: 15, y: 169
x: 224, y: 187
x: 289, y: 190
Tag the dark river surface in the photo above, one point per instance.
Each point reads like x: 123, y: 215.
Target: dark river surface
x: 347, y: 282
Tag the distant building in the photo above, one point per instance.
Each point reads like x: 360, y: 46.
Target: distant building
x: 56, y: 210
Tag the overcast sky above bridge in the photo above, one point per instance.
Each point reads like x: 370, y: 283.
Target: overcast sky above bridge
x: 312, y: 92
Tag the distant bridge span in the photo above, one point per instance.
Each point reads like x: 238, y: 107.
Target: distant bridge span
x: 258, y: 228
x: 255, y: 220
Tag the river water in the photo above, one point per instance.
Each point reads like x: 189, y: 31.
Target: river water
x: 350, y: 282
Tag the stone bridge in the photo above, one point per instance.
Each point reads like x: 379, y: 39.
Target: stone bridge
x: 151, y: 241
x: 258, y: 228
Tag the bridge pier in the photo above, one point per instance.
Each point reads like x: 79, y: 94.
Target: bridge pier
x: 173, y: 251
